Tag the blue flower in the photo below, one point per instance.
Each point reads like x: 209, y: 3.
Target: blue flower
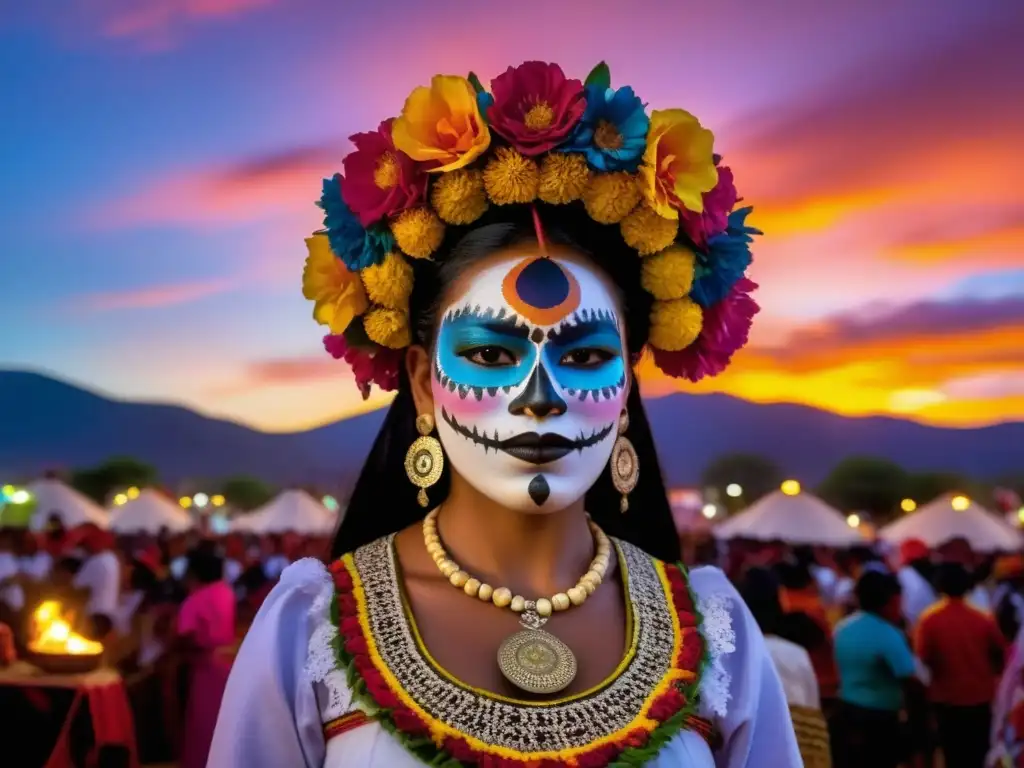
x: 613, y: 130
x: 358, y: 248
x: 484, y: 101
x: 725, y: 261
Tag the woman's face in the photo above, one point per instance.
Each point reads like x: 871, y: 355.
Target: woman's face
x: 529, y: 378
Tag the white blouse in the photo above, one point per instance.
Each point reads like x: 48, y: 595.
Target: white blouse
x: 285, y: 686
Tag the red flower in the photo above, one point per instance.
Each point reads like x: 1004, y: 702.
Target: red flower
x: 346, y: 604
x: 718, y: 204
x: 342, y: 579
x: 460, y: 750
x: 379, y: 180
x: 636, y: 738
x: 599, y: 757
x: 691, y: 651
x: 349, y: 627
x: 381, y: 693
x: 378, y: 367
x: 409, y: 722
x: 535, y: 107
x: 667, y: 705
x: 355, y: 644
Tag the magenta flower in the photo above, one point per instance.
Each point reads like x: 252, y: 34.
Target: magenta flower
x: 718, y: 204
x: 726, y: 330
x: 380, y: 366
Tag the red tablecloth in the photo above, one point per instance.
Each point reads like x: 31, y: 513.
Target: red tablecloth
x: 103, y: 694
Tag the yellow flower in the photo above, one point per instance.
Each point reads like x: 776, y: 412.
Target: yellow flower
x: 675, y: 324
x: 338, y: 294
x: 458, y: 197
x: 648, y: 232
x: 668, y: 274
x: 388, y: 327
x: 678, y: 165
x: 511, y: 178
x: 418, y: 232
x: 390, y: 282
x: 609, y: 197
x: 563, y: 177
x: 442, y: 125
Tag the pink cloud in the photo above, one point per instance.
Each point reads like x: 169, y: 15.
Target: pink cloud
x: 156, y: 296
x: 155, y: 23
x: 284, y: 183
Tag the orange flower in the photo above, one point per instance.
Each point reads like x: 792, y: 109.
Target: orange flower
x: 441, y: 125
x: 678, y: 166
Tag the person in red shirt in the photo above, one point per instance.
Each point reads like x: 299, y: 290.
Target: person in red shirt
x: 964, y: 651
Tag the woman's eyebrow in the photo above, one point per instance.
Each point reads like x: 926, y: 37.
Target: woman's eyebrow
x: 568, y: 334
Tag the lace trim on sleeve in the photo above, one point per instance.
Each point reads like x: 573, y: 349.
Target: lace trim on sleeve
x: 321, y: 662
x: 721, y: 639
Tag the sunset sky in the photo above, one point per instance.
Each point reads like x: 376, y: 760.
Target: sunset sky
x: 159, y: 160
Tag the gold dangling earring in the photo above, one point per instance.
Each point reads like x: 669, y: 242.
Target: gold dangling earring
x: 624, y: 465
x: 424, y: 461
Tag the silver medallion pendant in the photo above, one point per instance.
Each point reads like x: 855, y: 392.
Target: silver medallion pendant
x: 534, y: 660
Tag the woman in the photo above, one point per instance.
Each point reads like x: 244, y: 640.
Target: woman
x: 206, y: 634
x: 517, y: 413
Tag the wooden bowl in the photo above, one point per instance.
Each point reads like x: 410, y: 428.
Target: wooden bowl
x: 65, y: 663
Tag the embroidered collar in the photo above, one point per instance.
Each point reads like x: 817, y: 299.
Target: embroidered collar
x: 627, y: 718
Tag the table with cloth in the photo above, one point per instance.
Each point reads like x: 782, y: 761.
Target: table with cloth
x: 65, y: 720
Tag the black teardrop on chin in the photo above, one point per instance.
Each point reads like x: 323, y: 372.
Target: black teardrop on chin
x: 539, y: 490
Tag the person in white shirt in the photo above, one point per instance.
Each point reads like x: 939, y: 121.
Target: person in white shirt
x: 11, y: 594
x: 34, y: 562
x: 914, y: 575
x: 101, y: 576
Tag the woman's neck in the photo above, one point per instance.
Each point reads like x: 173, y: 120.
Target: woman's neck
x: 535, y: 555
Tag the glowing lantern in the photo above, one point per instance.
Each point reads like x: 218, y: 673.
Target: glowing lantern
x: 853, y: 521
x: 960, y: 503
x: 908, y: 505
x: 217, y: 500
x: 791, y: 487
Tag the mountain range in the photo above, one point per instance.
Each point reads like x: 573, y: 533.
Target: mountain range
x: 49, y: 424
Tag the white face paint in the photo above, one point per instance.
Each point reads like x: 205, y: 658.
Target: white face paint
x: 529, y: 380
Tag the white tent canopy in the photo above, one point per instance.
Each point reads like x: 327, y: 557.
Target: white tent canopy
x: 295, y: 511
x: 52, y: 497
x: 939, y: 522
x: 798, y: 519
x: 150, y: 512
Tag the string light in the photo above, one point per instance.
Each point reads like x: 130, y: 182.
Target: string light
x: 960, y: 503
x: 709, y: 511
x: 791, y: 487
x: 908, y: 505
x: 853, y: 521
x: 185, y: 502
x: 734, y: 490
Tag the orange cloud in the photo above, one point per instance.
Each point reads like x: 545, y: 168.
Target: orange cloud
x: 156, y: 296
x: 252, y: 190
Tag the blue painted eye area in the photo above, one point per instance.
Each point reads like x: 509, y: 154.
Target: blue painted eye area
x: 491, y: 356
x: 480, y: 351
x: 586, y: 357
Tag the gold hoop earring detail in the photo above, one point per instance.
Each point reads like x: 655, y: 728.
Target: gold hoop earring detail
x: 624, y: 465
x: 424, y: 461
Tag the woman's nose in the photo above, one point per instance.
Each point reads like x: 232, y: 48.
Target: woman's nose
x: 539, y: 399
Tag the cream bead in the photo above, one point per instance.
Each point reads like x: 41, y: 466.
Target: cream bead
x: 576, y: 595
x: 471, y: 587
x: 431, y: 538
x: 560, y: 601
x: 485, y: 592
x: 459, y: 578
x: 448, y: 567
x: 593, y: 576
x: 543, y: 606
x: 518, y: 604
x: 502, y: 597
x: 435, y: 548
x: 587, y: 586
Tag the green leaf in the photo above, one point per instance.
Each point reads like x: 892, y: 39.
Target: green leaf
x: 600, y: 76
x: 475, y: 82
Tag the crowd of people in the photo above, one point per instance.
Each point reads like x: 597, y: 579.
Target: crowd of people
x: 903, y: 656
x: 908, y: 657
x: 170, y: 611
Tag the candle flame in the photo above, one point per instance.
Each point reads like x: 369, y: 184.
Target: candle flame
x: 53, y: 633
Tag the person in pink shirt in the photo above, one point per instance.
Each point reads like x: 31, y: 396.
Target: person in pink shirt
x: 206, y: 634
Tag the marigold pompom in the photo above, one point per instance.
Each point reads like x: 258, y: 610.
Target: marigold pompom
x: 648, y: 232
x: 675, y: 324
x: 609, y: 197
x: 563, y: 177
x: 511, y: 178
x: 668, y: 274
x: 388, y: 327
x: 390, y: 282
x: 458, y: 196
x: 418, y: 232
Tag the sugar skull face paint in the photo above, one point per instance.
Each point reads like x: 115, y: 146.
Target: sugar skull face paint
x: 529, y: 380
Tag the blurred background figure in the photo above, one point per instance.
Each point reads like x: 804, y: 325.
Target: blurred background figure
x: 784, y: 637
x: 963, y: 650
x: 915, y: 577
x: 875, y: 666
x: 100, y: 576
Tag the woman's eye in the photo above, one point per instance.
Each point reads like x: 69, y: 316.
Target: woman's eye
x: 586, y: 358
x: 489, y: 357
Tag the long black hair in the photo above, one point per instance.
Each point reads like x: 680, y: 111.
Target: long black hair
x: 384, y: 501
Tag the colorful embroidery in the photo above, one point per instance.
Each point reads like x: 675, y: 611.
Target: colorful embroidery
x: 345, y: 723
x: 626, y: 721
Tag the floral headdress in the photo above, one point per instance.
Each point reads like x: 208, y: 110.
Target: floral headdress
x: 538, y: 136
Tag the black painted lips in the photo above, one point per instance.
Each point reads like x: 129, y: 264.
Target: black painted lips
x: 530, y: 447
